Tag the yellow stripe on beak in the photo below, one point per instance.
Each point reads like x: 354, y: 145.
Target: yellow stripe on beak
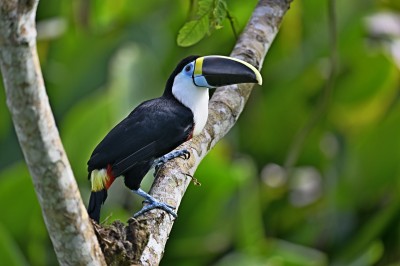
x: 198, y: 68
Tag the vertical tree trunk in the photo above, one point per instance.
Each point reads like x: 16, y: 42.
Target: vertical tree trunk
x: 65, y: 216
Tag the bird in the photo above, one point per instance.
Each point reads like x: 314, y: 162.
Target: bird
x: 149, y: 135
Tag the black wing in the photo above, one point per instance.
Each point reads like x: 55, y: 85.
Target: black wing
x: 153, y: 129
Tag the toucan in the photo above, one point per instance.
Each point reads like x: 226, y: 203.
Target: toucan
x: 147, y: 137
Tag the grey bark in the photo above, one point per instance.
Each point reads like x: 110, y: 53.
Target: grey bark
x: 65, y: 216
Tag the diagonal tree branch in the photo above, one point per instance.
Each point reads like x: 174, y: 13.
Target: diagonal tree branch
x: 65, y: 216
x: 149, y: 233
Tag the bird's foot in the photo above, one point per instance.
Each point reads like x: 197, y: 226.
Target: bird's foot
x: 169, y: 206
x: 153, y: 204
x: 184, y: 154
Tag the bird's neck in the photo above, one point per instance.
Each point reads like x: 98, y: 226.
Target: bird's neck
x: 199, y: 107
x: 195, y: 98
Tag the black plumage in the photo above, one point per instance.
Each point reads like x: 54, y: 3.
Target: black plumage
x: 96, y: 200
x: 149, y: 134
x: 150, y: 131
x: 153, y: 129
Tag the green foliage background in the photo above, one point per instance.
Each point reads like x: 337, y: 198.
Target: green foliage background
x: 338, y: 205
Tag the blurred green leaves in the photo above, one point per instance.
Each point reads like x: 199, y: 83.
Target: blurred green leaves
x: 193, y: 31
x: 10, y: 253
x: 108, y: 56
x: 209, y: 16
x: 23, y: 236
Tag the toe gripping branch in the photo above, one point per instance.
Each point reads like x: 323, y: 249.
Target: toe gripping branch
x: 152, y: 204
x: 184, y: 154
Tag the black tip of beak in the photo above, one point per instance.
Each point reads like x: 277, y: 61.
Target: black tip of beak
x: 221, y: 71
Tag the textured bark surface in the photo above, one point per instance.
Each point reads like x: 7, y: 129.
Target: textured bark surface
x: 150, y: 232
x: 65, y: 216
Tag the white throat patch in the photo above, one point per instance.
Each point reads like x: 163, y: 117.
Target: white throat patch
x: 193, y: 97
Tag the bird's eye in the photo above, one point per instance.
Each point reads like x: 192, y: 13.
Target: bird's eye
x: 188, y: 68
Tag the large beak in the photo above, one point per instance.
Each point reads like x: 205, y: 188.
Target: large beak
x: 215, y: 71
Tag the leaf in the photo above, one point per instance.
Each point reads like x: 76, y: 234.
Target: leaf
x: 204, y: 8
x: 193, y: 31
x: 219, y: 14
x: 209, y: 16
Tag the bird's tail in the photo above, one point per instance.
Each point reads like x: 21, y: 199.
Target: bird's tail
x: 101, y: 180
x: 96, y: 200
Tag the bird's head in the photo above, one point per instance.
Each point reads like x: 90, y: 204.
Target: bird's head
x: 210, y: 72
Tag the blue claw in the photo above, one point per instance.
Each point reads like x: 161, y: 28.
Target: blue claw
x: 153, y: 204
x: 184, y: 154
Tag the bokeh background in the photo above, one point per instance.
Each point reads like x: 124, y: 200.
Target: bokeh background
x: 310, y: 174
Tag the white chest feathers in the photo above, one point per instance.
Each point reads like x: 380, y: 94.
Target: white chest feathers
x: 193, y: 97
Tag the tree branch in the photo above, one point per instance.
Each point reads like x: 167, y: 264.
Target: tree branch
x: 65, y: 216
x: 149, y: 233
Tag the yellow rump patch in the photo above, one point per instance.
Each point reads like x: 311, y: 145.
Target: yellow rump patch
x: 98, y: 178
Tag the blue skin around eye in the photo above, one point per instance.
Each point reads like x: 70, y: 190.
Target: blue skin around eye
x: 190, y: 72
